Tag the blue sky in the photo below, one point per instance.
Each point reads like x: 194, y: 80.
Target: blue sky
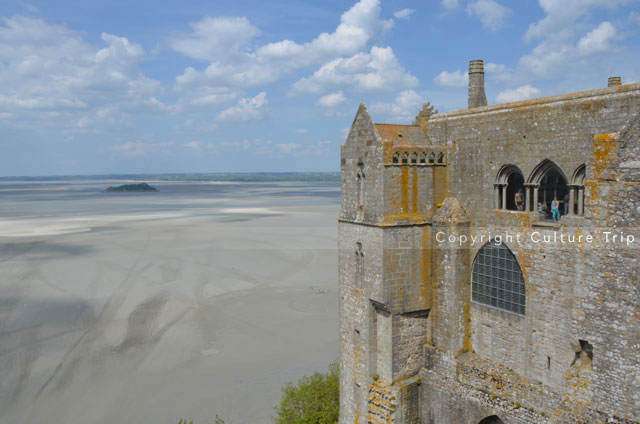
x: 202, y: 86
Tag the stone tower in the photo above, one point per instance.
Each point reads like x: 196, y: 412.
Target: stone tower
x: 437, y: 329
x: 477, y: 97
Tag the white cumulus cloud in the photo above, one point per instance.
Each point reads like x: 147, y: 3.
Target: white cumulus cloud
x: 561, y: 16
x: 247, y: 109
x: 378, y: 70
x: 563, y: 44
x: 598, y: 40
x: 492, y: 14
x: 452, y: 79
x: 48, y: 70
x: 521, y: 93
x: 333, y: 99
x: 403, y: 14
x: 225, y: 43
x: 214, y: 38
x: 405, y: 107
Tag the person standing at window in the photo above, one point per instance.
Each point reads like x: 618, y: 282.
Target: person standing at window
x: 519, y: 198
x: 555, y: 211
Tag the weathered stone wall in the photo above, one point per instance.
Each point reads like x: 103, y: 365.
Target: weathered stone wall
x: 410, y: 331
x: 406, y: 199
x: 410, y: 311
x: 357, y: 335
x: 406, y: 274
x: 480, y: 141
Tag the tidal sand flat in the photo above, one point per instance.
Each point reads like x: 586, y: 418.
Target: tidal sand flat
x: 196, y: 300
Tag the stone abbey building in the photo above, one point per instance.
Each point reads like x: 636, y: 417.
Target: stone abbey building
x: 462, y: 300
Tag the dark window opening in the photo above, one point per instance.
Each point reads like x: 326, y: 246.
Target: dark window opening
x: 359, y: 265
x: 584, y: 356
x: 553, y: 185
x: 494, y: 419
x: 515, y: 184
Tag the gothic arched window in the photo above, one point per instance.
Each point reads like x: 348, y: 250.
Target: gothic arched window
x: 497, y: 279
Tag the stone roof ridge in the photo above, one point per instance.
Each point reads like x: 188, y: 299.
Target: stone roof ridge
x: 401, y: 134
x: 608, y: 91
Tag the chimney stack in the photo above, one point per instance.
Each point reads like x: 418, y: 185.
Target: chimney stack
x: 477, y: 98
x: 615, y: 81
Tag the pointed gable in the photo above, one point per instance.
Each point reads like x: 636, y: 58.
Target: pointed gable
x: 363, y: 131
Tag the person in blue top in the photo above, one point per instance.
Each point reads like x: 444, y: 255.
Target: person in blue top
x: 555, y: 212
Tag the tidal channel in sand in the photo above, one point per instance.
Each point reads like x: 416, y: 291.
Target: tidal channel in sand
x: 196, y: 300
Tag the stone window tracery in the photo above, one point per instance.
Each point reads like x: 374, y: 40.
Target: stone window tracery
x: 497, y: 279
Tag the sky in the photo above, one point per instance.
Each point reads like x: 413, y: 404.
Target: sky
x: 108, y: 87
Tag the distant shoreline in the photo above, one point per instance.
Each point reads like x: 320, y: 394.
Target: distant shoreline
x: 222, y: 177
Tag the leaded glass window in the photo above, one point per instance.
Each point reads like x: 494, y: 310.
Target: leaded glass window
x: 497, y: 279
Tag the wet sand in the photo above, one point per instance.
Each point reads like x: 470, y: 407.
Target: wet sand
x: 148, y: 317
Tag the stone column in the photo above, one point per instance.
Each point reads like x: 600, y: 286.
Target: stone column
x: 581, y: 201
x: 527, y: 199
x: 535, y: 198
x: 450, y: 313
x: 477, y: 97
x: 572, y: 198
x: 614, y: 81
x: 504, y: 197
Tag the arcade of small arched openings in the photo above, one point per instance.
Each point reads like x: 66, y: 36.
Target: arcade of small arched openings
x: 546, y: 182
x: 418, y: 157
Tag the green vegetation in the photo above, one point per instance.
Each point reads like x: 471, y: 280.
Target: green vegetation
x: 314, y: 400
x: 132, y: 187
